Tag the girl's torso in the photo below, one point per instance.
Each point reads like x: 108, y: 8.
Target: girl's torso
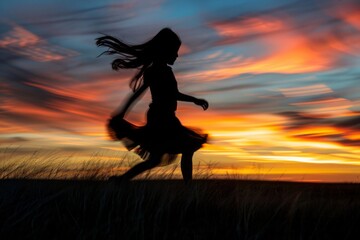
x: 163, y: 88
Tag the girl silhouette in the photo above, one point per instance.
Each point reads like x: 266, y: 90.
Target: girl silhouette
x: 163, y: 136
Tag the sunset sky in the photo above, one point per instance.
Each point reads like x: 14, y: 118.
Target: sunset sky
x: 281, y: 78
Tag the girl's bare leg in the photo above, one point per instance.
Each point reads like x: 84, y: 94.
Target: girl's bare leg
x: 139, y: 168
x: 187, y: 166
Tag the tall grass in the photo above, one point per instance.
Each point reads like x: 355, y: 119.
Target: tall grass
x: 165, y: 209
x: 154, y: 209
x: 99, y: 165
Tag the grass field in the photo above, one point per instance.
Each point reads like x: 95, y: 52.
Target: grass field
x: 168, y: 209
x: 53, y: 196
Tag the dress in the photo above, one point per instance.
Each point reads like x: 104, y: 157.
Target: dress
x: 163, y: 133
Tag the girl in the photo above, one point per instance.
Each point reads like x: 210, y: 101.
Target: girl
x: 163, y: 136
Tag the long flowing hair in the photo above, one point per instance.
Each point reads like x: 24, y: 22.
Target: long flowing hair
x: 138, y: 56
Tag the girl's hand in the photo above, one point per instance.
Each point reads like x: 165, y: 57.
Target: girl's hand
x: 202, y: 102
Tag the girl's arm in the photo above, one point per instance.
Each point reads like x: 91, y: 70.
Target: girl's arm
x: 186, y: 98
x: 130, y: 101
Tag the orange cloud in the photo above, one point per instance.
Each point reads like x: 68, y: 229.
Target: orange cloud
x: 91, y: 90
x: 25, y: 43
x: 19, y: 37
x: 184, y: 49
x: 7, y: 126
x: 294, y: 54
x: 70, y: 116
x: 353, y: 17
x: 349, y: 12
x: 310, y: 90
x: 292, y: 50
x: 317, y: 131
x: 94, y: 113
x: 15, y: 106
x: 332, y: 106
x: 347, y: 39
x: 302, y: 57
x: 331, y: 137
x: 235, y: 31
x: 326, y: 107
x: 263, y: 139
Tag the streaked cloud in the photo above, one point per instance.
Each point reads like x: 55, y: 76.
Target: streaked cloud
x: 25, y: 43
x: 306, y: 90
x: 242, y: 29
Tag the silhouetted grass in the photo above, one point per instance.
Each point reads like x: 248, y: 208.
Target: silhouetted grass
x: 99, y: 166
x: 82, y: 205
x: 155, y: 209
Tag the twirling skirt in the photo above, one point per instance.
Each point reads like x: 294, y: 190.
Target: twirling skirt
x: 163, y: 134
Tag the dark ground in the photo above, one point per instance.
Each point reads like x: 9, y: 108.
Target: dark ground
x: 207, y: 209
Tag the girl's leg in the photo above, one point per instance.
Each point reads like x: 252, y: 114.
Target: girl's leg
x: 186, y: 166
x: 142, y: 167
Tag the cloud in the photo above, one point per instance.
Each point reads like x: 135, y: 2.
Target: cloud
x: 34, y: 101
x: 296, y: 39
x: 93, y: 90
x: 349, y: 12
x: 319, y: 100
x: 22, y: 42
x: 344, y: 130
x: 294, y: 54
x: 223, y: 89
x: 309, y: 90
x: 352, y: 123
x: 242, y: 29
x: 330, y: 107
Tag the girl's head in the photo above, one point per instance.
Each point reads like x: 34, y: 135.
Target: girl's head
x: 162, y: 48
